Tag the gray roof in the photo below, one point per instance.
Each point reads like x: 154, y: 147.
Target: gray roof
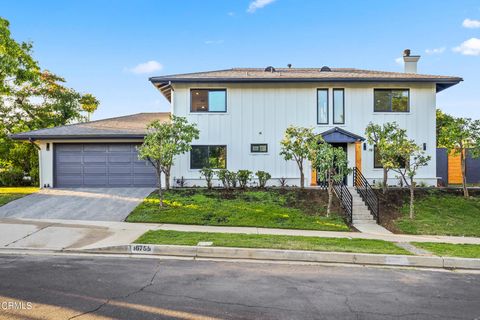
x: 301, y: 75
x: 125, y: 127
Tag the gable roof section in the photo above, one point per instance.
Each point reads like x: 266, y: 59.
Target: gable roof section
x: 163, y: 83
x: 338, y: 135
x: 125, y: 127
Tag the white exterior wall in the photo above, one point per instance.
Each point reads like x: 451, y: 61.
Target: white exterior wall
x: 260, y: 113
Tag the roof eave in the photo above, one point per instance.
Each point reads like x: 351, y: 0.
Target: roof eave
x: 78, y: 137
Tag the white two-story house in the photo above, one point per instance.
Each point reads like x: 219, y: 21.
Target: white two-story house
x: 242, y: 114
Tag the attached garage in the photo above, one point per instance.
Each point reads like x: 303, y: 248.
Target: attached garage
x: 101, y: 165
x: 100, y: 153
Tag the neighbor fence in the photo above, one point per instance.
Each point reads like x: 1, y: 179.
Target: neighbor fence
x: 449, y: 168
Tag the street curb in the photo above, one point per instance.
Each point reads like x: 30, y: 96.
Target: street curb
x: 291, y: 256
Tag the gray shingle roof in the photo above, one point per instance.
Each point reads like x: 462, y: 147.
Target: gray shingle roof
x: 300, y: 75
x: 131, y: 126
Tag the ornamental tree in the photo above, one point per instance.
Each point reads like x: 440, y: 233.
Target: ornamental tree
x: 163, y: 142
x: 297, y: 145
x: 89, y: 104
x: 459, y: 135
x: 332, y: 166
x: 405, y: 157
x: 380, y: 136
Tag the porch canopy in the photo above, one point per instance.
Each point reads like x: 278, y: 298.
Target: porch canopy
x: 338, y: 135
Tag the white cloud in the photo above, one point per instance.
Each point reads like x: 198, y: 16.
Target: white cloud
x: 213, y: 42
x: 399, y: 60
x: 146, y: 67
x: 231, y: 13
x: 258, y: 4
x: 471, y: 24
x: 470, y: 47
x: 435, y: 50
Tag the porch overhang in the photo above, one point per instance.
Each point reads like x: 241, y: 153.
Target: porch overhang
x: 338, y: 135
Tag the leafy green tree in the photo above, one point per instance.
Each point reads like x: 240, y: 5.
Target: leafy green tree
x: 459, y: 135
x: 331, y: 164
x: 379, y: 136
x: 207, y: 173
x: 163, y: 142
x: 405, y: 157
x: 89, y: 104
x: 296, y: 145
x: 30, y: 99
x: 443, y: 120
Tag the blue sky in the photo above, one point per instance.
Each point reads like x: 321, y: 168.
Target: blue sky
x: 110, y: 48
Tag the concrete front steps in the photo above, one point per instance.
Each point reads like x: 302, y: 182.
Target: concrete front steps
x: 362, y: 218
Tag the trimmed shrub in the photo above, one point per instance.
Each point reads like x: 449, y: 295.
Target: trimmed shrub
x: 244, y: 177
x: 207, y: 173
x: 263, y: 178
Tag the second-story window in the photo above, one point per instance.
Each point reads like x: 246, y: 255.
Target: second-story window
x: 208, y: 100
x: 391, y: 100
x: 338, y: 106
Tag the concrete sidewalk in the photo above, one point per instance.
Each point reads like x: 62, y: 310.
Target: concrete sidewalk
x: 70, y: 234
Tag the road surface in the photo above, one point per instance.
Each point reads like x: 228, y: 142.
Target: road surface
x: 94, y: 287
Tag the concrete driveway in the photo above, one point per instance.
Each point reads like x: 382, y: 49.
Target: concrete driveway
x: 96, y: 204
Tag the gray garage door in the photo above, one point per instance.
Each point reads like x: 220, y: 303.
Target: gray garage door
x: 101, y: 165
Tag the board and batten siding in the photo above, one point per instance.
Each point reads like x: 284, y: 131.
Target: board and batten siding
x: 260, y: 113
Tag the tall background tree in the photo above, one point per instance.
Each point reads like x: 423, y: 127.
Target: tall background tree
x: 296, y: 145
x: 30, y: 99
x: 164, y: 141
x: 459, y: 136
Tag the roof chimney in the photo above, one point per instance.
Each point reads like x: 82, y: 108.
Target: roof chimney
x: 410, y: 62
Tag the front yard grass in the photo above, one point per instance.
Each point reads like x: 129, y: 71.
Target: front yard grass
x: 451, y: 250
x: 8, y: 194
x: 442, y: 214
x: 271, y: 242
x: 273, y: 208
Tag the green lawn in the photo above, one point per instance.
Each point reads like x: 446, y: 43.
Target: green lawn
x: 251, y: 208
x: 8, y: 194
x: 442, y: 214
x: 451, y: 250
x: 271, y: 242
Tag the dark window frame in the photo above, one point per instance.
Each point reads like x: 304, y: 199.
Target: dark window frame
x: 392, y: 89
x: 328, y: 105
x: 208, y: 102
x: 343, y: 104
x: 208, y: 146
x: 258, y: 144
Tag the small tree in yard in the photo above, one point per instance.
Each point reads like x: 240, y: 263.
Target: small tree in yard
x: 296, y: 145
x: 332, y: 166
x: 163, y: 142
x: 379, y: 136
x: 405, y: 157
x: 458, y: 135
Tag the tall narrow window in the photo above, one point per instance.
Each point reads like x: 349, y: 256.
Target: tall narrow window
x: 322, y: 106
x: 338, y: 106
x: 208, y: 100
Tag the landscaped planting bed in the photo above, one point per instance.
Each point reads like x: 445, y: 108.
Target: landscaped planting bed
x: 271, y: 208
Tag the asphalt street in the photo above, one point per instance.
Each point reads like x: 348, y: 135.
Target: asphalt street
x: 93, y: 287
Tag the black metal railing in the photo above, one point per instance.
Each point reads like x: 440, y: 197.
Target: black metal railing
x: 346, y: 199
x: 367, y: 193
x: 343, y: 194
